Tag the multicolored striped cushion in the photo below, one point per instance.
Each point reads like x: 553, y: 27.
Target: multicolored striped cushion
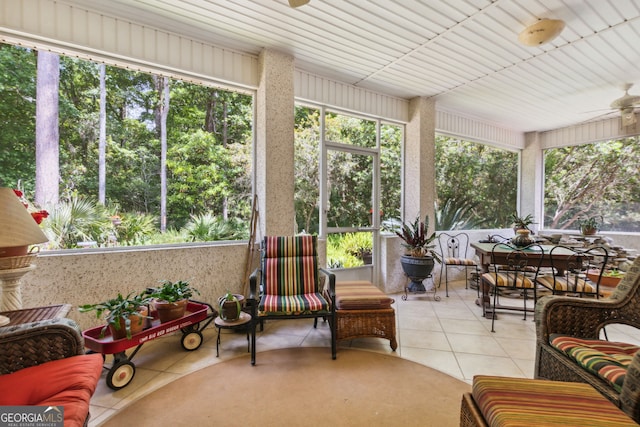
x: 508, y: 280
x: 459, y: 261
x: 608, y: 360
x: 524, y: 403
x: 561, y: 284
x: 290, y: 265
x: 360, y: 295
x: 290, y: 276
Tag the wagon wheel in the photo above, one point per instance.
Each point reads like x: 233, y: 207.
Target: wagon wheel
x: 120, y: 374
x: 190, y: 328
x: 191, y: 340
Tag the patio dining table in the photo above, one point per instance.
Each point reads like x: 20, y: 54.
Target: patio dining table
x: 561, y: 256
x: 561, y: 260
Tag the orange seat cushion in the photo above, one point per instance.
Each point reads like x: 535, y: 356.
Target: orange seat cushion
x: 360, y: 295
x: 68, y: 382
x: 505, y: 401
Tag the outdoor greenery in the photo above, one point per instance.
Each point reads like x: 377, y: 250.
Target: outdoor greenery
x: 208, y: 149
x: 600, y: 179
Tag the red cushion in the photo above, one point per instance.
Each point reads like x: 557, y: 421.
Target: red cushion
x: 66, y: 382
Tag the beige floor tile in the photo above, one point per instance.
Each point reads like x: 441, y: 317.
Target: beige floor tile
x: 475, y: 364
x: 476, y: 344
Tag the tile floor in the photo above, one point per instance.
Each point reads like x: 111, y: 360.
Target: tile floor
x: 449, y: 335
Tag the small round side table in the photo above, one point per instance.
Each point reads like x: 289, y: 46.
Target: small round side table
x: 240, y: 323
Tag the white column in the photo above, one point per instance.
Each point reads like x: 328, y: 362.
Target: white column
x: 274, y: 144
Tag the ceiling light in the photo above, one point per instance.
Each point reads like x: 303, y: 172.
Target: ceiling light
x: 541, y: 32
x: 297, y: 3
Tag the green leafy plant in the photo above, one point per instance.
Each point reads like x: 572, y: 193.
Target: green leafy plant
x: 520, y: 222
x: 357, y: 244
x: 173, y: 291
x: 225, y: 301
x: 118, y: 310
x: 590, y: 225
x: 416, y: 237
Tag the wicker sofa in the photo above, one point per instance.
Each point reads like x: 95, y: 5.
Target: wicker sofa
x: 563, y: 319
x: 44, y: 364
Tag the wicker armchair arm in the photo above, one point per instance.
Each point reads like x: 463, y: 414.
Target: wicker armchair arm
x: 30, y: 344
x: 577, y: 317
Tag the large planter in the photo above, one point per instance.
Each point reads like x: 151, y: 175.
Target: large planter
x: 417, y: 269
x: 138, y: 322
x: 168, y: 311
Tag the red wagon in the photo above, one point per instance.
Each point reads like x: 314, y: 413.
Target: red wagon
x: 122, y: 371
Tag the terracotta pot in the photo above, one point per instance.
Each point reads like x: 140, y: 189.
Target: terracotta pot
x: 137, y: 324
x: 14, y: 251
x: 168, y: 311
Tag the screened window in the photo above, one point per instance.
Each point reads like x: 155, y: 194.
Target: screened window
x: 208, y: 149
x: 476, y: 185
x: 600, y: 180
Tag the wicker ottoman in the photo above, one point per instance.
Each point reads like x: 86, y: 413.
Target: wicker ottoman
x: 502, y: 401
x: 363, y: 310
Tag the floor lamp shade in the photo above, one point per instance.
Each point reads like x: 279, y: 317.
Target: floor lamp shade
x: 18, y: 229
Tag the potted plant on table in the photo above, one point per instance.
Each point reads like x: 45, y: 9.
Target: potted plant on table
x: 124, y: 316
x: 521, y: 222
x: 420, y: 256
x: 590, y: 225
x: 230, y: 306
x: 170, y: 299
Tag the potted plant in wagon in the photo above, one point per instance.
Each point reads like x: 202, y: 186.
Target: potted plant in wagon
x: 171, y: 298
x: 230, y: 306
x: 124, y: 316
x: 420, y: 256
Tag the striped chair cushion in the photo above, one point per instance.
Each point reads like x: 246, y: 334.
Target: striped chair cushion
x: 507, y: 280
x: 525, y: 402
x: 290, y: 265
x: 459, y: 261
x: 360, y: 295
x: 293, y: 304
x: 290, y: 277
x: 608, y: 360
x: 562, y: 285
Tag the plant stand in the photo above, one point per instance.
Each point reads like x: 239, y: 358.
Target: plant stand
x: 416, y: 288
x: 242, y: 322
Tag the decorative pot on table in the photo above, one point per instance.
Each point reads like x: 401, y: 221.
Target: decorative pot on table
x: 523, y: 238
x: 230, y: 309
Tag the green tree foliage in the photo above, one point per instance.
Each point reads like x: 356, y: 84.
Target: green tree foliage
x: 475, y: 183
x: 17, y: 110
x: 209, y: 138
x: 307, y: 168
x: 593, y: 180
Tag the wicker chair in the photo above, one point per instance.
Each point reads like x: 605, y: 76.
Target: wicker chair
x: 289, y: 286
x: 585, y: 318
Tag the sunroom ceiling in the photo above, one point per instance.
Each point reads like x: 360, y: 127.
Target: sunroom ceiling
x: 463, y: 53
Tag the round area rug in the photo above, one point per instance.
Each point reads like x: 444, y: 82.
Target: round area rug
x: 303, y: 387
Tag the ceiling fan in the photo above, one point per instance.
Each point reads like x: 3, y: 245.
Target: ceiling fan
x: 626, y: 105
